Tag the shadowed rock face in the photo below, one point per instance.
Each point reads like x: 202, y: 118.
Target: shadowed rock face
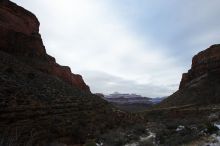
x: 201, y: 85
x: 20, y: 37
x: 42, y: 102
x: 17, y: 18
x: 202, y: 63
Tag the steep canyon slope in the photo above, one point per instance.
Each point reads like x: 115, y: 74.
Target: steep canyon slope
x: 201, y: 84
x: 40, y: 100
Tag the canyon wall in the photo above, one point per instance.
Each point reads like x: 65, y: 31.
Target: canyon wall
x: 201, y: 84
x: 20, y: 37
x: 203, y: 63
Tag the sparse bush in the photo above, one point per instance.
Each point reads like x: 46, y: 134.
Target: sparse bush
x: 115, y: 138
x: 211, y: 128
x: 90, y: 143
x: 122, y: 136
x: 139, y: 129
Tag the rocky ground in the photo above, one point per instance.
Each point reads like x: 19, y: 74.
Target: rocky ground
x: 176, y: 126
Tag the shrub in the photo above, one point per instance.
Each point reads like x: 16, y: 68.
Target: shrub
x: 90, y: 143
x: 211, y: 128
x: 139, y: 129
x: 115, y: 138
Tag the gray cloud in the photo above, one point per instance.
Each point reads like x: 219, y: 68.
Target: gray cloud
x: 104, y: 82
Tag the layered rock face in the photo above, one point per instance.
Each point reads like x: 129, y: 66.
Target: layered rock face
x: 42, y: 102
x: 203, y: 63
x: 201, y: 85
x: 20, y: 37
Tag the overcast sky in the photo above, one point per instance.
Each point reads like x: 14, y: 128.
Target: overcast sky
x: 129, y: 46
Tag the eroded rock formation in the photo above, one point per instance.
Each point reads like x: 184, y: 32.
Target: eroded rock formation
x: 201, y: 85
x: 203, y: 63
x: 20, y: 36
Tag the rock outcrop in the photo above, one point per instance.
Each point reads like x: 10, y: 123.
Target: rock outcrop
x: 203, y: 63
x: 20, y: 37
x: 201, y: 85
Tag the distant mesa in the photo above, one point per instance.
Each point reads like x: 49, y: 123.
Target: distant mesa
x: 130, y: 102
x: 157, y: 100
x: 124, y: 95
x: 131, y: 98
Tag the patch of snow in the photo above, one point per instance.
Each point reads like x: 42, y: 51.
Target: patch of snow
x: 217, y: 125
x: 99, y: 144
x: 179, y: 128
x: 213, y: 116
x: 132, y: 144
x: 150, y: 136
x: 215, y: 141
x: 218, y: 138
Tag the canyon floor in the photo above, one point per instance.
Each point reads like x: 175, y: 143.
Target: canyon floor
x: 188, y: 125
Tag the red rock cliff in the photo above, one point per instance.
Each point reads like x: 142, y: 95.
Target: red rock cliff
x: 202, y: 63
x: 20, y: 37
